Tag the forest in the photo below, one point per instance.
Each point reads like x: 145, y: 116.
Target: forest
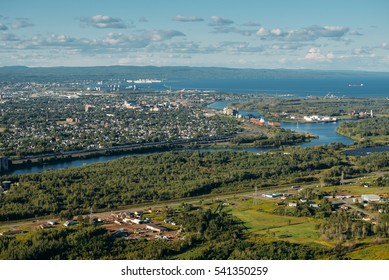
x: 159, y: 177
x: 376, y: 128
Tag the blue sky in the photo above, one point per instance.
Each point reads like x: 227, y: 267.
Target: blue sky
x: 295, y: 34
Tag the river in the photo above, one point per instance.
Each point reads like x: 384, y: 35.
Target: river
x: 326, y: 132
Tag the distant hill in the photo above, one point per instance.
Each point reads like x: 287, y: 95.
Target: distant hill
x: 167, y: 72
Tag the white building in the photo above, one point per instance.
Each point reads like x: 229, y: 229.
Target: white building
x: 371, y: 197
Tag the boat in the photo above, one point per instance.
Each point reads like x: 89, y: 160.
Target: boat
x: 355, y: 85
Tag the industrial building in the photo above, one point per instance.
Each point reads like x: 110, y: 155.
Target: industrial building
x: 371, y: 197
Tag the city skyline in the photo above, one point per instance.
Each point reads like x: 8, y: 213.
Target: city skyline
x: 246, y: 34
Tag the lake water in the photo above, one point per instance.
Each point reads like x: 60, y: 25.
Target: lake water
x: 349, y: 86
x: 326, y: 131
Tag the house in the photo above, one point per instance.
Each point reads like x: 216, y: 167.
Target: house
x: 68, y: 223
x: 136, y: 221
x: 273, y: 195
x: 337, y: 204
x: 292, y: 204
x: 156, y: 228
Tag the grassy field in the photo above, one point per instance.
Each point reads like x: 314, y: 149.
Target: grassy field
x: 373, y: 252
x: 2, y: 129
x: 260, y: 221
x: 356, y: 189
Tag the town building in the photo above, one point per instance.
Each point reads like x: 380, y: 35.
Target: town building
x: 371, y: 197
x: 156, y: 228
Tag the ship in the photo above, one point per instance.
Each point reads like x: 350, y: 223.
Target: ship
x: 144, y: 81
x: 355, y: 85
x: 274, y: 124
x: 260, y: 122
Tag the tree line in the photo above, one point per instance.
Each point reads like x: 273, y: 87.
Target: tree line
x: 158, y: 177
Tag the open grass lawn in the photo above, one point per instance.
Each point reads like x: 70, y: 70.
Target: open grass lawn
x: 356, y: 189
x: 372, y: 252
x: 2, y: 129
x: 259, y: 220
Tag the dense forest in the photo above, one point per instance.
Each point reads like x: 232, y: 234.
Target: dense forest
x: 366, y: 128
x: 159, y: 177
x: 272, y: 138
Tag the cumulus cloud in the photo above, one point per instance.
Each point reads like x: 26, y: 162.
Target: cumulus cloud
x: 140, y: 40
x: 276, y: 32
x: 188, y: 18
x: 219, y: 21
x: 101, y: 21
x: 305, y: 34
x: 315, y: 54
x: 3, y: 27
x: 21, y: 23
x: 232, y: 29
x: 262, y: 32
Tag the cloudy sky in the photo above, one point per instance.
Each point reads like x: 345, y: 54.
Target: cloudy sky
x: 330, y: 34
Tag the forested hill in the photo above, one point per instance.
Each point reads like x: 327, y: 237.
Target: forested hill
x: 167, y: 72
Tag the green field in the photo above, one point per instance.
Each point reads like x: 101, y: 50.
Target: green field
x: 260, y: 221
x: 357, y: 189
x: 373, y: 252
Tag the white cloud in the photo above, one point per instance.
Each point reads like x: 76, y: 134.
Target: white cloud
x: 276, y: 32
x: 262, y: 32
x: 305, y: 34
x: 315, y: 54
x: 101, y: 21
x: 218, y: 21
x: 21, y: 23
x: 188, y: 18
x: 232, y: 29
